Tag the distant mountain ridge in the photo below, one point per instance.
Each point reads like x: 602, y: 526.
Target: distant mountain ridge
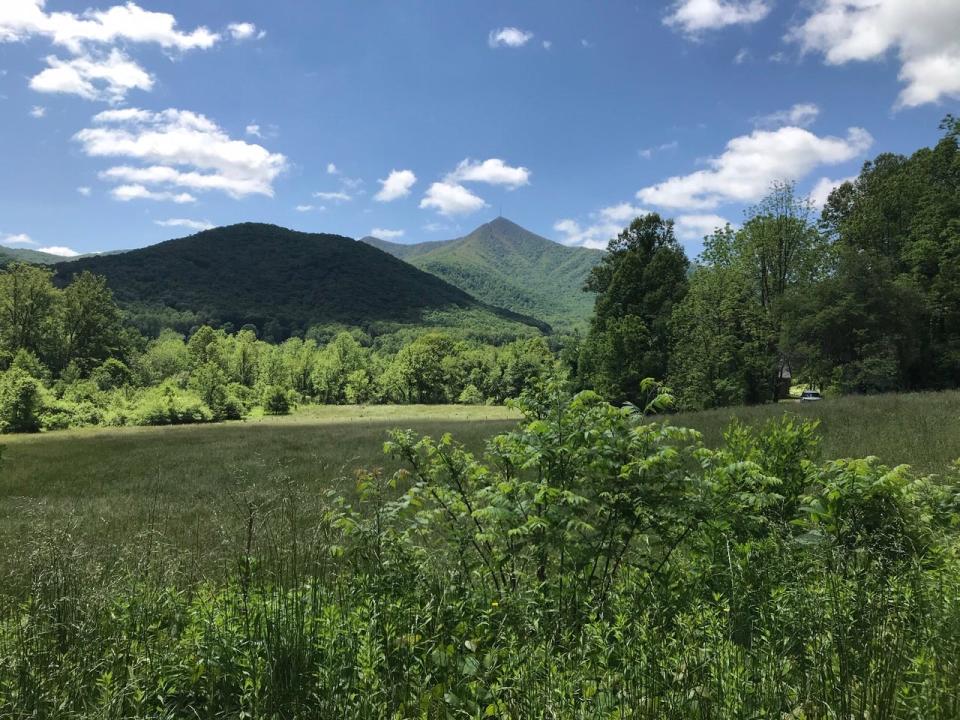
x: 506, y: 265
x: 36, y: 257
x: 264, y: 274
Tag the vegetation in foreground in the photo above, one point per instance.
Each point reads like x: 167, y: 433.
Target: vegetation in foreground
x: 592, y: 564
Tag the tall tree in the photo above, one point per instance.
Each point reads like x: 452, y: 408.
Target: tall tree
x: 27, y: 306
x: 638, y: 283
x: 90, y: 328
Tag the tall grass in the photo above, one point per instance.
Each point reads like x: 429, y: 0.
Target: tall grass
x: 352, y: 600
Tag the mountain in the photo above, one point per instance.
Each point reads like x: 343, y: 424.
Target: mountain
x: 9, y: 255
x: 273, y: 277
x: 505, y: 265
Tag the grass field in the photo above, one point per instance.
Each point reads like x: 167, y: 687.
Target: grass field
x: 204, y: 571
x: 193, y: 486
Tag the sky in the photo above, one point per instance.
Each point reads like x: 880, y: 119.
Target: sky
x: 122, y: 125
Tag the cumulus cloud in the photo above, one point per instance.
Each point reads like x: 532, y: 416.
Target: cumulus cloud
x: 38, y: 111
x: 253, y: 130
x: 304, y: 208
x: 179, y: 149
x: 332, y: 169
x: 84, y: 190
x: 924, y: 36
x: 385, y: 234
x: 451, y: 199
x: 108, y: 78
x: 509, y: 37
x: 800, y: 115
x: 244, y: 31
x: 493, y: 171
x: 605, y: 225
x: 22, y: 19
x: 126, y: 193
x: 823, y: 187
x: 197, y: 225
x: 743, y: 54
x: 58, y: 250
x: 750, y: 163
x: 98, y: 70
x: 18, y: 239
x: 695, y: 227
x: 694, y: 17
x: 396, y: 186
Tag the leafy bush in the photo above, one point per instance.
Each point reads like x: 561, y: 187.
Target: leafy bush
x: 168, y: 406
x: 275, y: 400
x: 20, y: 402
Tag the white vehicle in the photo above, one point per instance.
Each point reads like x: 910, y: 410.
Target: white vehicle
x: 810, y: 396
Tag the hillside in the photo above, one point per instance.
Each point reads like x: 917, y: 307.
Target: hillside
x: 287, y: 281
x: 503, y: 264
x: 9, y: 254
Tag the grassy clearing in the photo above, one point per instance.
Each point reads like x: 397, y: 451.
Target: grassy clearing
x: 189, y: 484
x: 919, y: 429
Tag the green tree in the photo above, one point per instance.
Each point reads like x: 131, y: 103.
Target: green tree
x: 19, y: 402
x: 28, y: 303
x: 639, y: 281
x: 89, y: 322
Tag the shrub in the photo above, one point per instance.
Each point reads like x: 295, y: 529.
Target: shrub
x: 168, y: 406
x: 470, y: 396
x: 275, y: 400
x: 20, y: 402
x: 111, y: 374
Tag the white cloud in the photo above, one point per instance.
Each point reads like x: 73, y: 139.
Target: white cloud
x: 396, y: 186
x: 304, y: 208
x: 84, y: 190
x: 750, y: 163
x: 38, y: 111
x: 695, y: 227
x: 22, y: 19
x: 385, y: 234
x: 244, y: 31
x: 126, y: 193
x: 823, y: 187
x: 606, y: 224
x: 332, y: 169
x: 253, y: 130
x: 337, y: 197
x: 182, y: 149
x: 185, y: 223
x: 509, y: 37
x: 108, y: 78
x: 18, y: 239
x: 547, y: 44
x: 800, y: 115
x: 493, y: 171
x: 451, y: 199
x: 924, y: 35
x: 743, y: 54
x: 694, y: 17
x: 58, y: 250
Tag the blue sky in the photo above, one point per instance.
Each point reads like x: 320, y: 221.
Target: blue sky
x: 122, y: 125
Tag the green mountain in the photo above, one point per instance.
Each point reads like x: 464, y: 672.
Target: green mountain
x: 9, y: 255
x: 286, y: 281
x: 505, y: 265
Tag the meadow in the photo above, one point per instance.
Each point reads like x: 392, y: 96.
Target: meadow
x: 251, y: 569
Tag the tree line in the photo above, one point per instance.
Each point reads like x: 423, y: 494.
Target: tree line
x: 68, y: 359
x: 864, y: 298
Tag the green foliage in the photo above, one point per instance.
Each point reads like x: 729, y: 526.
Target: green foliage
x: 166, y: 405
x: 591, y: 564
x: 275, y: 400
x: 638, y: 282
x: 20, y: 402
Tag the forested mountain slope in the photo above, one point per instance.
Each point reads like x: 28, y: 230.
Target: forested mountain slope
x: 273, y: 277
x: 503, y: 264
